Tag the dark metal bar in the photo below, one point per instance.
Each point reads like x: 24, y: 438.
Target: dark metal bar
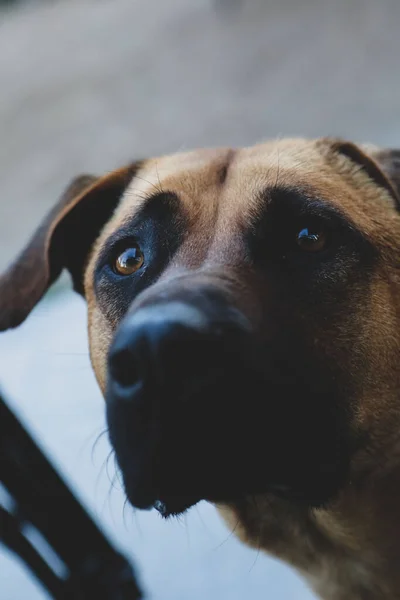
x: 42, y: 498
x: 13, y: 539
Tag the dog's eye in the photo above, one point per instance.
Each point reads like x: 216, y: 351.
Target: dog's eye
x: 129, y: 261
x: 311, y: 239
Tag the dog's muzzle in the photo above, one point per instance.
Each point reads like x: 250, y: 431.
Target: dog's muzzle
x: 201, y: 406
x: 175, y: 366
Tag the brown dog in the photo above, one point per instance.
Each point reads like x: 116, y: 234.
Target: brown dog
x: 244, y: 324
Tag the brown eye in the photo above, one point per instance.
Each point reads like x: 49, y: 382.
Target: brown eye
x: 311, y: 240
x: 129, y: 261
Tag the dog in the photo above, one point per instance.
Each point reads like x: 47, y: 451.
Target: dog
x: 244, y: 328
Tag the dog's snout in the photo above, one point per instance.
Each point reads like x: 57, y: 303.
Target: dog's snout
x: 152, y: 343
x: 170, y: 360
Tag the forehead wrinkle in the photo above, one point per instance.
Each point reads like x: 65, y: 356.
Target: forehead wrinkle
x: 186, y: 174
x: 251, y: 173
x: 201, y: 202
x: 203, y: 195
x: 280, y: 165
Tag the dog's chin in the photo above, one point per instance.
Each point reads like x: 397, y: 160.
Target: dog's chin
x: 173, y: 495
x: 166, y: 506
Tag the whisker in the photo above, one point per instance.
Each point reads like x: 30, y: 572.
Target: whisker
x: 118, y: 473
x: 108, y: 499
x: 278, y: 169
x: 227, y: 538
x: 99, y: 476
x: 187, y: 531
x: 89, y: 440
x: 149, y: 182
x: 111, y: 479
x: 137, y: 524
x: 257, y: 555
x: 140, y: 194
x: 258, y: 540
x: 104, y: 467
x: 124, y: 510
x: 96, y: 443
x: 159, y: 182
x: 203, y: 522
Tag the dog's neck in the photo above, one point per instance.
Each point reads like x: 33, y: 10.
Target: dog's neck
x: 350, y: 550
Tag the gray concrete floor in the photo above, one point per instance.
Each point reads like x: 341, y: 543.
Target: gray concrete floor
x: 86, y: 85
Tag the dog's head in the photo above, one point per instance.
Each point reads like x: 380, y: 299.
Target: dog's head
x: 243, y: 316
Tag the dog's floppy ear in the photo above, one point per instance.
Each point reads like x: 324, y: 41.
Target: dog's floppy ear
x: 381, y: 166
x: 63, y: 240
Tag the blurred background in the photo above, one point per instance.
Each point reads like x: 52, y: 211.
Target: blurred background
x: 87, y: 85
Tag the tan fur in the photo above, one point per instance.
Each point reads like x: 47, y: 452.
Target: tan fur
x: 350, y: 549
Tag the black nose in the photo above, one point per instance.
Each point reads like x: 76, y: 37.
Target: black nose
x: 160, y: 345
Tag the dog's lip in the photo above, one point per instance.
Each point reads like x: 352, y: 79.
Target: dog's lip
x: 168, y: 507
x: 161, y: 507
x: 173, y: 505
x: 144, y: 497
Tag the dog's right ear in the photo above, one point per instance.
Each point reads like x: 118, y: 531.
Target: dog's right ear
x: 381, y: 165
x: 63, y: 240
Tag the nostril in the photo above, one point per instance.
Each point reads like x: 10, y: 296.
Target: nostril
x: 123, y: 368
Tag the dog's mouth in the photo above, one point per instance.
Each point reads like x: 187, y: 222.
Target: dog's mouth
x: 170, y: 505
x: 176, y: 505
x: 172, y: 485
x: 149, y: 485
x: 174, y: 464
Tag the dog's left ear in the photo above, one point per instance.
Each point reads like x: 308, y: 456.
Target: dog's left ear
x: 381, y: 166
x: 63, y: 240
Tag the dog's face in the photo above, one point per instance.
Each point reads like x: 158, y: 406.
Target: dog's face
x: 243, y: 316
